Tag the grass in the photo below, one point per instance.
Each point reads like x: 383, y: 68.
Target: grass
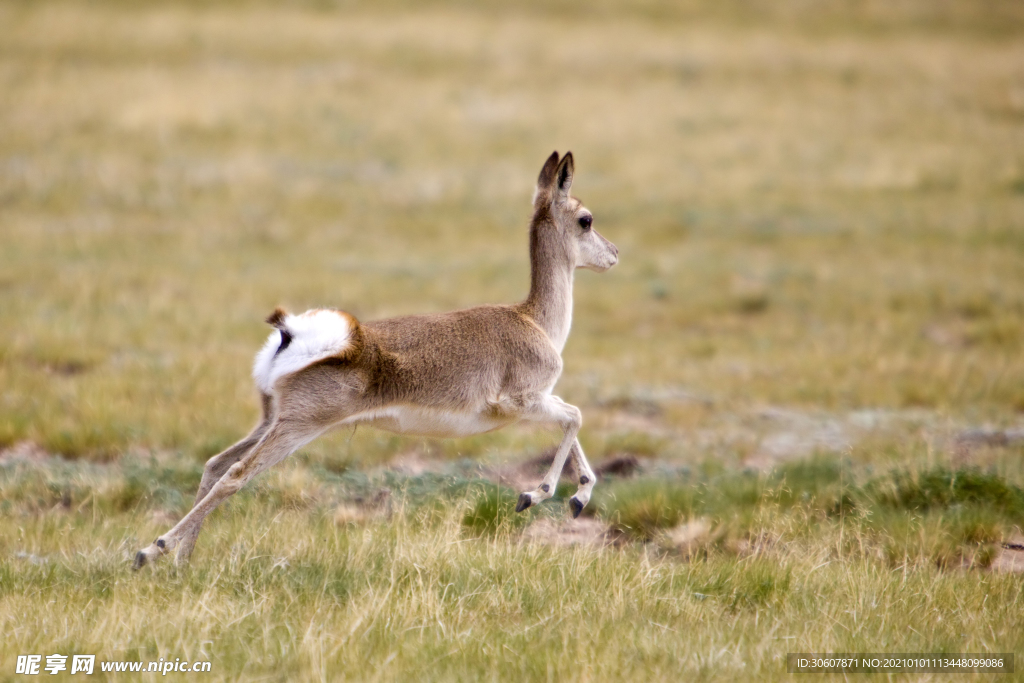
x: 493, y: 509
x: 807, y: 217
x: 818, y: 210
x: 950, y: 517
x: 443, y: 584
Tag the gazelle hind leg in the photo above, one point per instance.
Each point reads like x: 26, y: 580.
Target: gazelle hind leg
x: 552, y: 409
x: 587, y: 479
x: 215, y: 469
x: 279, y: 441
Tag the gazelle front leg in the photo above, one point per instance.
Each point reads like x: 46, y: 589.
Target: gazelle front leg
x: 587, y: 479
x: 553, y: 409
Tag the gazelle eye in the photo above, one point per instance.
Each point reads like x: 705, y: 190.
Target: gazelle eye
x: 585, y: 222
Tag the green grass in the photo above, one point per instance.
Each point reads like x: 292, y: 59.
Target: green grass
x: 818, y: 209
x: 952, y: 518
x: 493, y: 508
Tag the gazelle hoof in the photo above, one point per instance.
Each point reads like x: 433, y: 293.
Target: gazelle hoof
x: 140, y: 561
x: 576, y: 506
x: 524, y: 502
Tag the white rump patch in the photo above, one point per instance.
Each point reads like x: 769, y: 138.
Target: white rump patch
x: 316, y: 335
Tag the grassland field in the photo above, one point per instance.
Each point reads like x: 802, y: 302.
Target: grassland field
x: 808, y: 365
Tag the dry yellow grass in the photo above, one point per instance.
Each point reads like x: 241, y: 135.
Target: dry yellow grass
x: 281, y: 588
x: 807, y: 217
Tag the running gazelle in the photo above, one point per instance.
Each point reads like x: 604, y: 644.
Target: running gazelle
x: 449, y: 374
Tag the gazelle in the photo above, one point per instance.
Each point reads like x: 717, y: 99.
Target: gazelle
x: 449, y: 374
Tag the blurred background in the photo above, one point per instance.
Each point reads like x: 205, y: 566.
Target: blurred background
x: 819, y: 207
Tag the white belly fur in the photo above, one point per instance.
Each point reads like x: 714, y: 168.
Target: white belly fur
x: 420, y: 421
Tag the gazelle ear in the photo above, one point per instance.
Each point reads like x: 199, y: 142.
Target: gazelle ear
x: 563, y: 176
x: 545, y: 181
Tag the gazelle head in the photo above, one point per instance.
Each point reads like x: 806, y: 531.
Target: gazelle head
x: 573, y: 224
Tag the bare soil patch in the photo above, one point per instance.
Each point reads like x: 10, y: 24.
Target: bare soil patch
x: 583, y: 531
x: 25, y: 451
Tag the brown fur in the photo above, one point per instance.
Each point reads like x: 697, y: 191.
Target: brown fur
x: 276, y: 319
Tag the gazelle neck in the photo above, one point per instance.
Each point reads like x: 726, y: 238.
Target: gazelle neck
x: 551, y: 276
